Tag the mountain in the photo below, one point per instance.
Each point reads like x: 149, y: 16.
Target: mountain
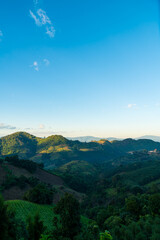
x: 55, y: 151
x: 18, y: 143
x: 90, y: 138
x: 154, y: 138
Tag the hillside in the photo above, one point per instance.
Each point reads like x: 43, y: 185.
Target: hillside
x: 16, y: 180
x: 20, y: 143
x: 56, y: 150
x: 23, y: 209
x: 79, y: 175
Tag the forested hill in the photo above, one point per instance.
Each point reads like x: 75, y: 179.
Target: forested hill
x: 56, y: 150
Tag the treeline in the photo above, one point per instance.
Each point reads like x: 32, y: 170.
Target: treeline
x: 30, y: 166
x: 67, y: 224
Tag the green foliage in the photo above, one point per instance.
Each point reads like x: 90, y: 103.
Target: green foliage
x: 133, y: 206
x: 45, y: 237
x: 89, y: 232
x: 69, y: 212
x: 20, y: 143
x: 26, y: 164
x: 79, y: 175
x: 35, y: 227
x: 41, y: 194
x: 23, y: 209
x: 105, y: 236
x: 154, y: 203
x: 3, y: 220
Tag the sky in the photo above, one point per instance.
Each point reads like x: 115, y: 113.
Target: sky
x: 79, y: 68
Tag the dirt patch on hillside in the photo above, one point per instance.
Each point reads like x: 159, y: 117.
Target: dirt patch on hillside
x: 45, y: 177
x: 14, y: 193
x: 2, y: 174
x: 42, y: 175
x: 48, y: 178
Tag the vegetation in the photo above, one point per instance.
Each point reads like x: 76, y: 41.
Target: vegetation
x: 24, y: 209
x: 121, y: 187
x: 41, y: 194
x: 79, y: 175
x: 68, y: 210
x: 56, y: 150
x: 26, y: 164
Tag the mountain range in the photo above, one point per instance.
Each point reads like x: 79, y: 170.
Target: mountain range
x: 54, y: 151
x: 91, y: 138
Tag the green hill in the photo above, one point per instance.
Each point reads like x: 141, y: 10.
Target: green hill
x: 20, y: 143
x: 23, y: 209
x: 19, y: 176
x: 78, y: 168
x: 79, y: 175
x: 55, y: 151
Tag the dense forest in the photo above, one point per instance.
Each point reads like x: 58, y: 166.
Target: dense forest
x: 116, y: 197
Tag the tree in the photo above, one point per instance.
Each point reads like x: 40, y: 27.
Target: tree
x: 3, y: 220
x: 45, y: 237
x: 41, y: 194
x: 69, y: 211
x: 154, y: 203
x: 133, y: 206
x: 35, y: 227
x: 105, y: 236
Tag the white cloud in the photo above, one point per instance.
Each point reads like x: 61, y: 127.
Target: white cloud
x: 37, y: 21
x: 44, y: 19
x: 4, y: 126
x: 46, y: 61
x: 35, y: 65
x: 131, y: 105
x: 41, y: 19
x: 50, y: 31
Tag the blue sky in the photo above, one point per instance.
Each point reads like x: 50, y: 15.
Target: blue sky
x: 80, y: 67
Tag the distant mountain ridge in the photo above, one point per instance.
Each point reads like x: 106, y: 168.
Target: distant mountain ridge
x: 91, y: 138
x: 56, y: 150
x: 151, y: 137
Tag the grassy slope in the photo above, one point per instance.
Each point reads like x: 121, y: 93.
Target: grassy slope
x: 24, y: 209
x: 78, y: 168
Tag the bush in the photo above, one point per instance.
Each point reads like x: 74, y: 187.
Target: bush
x: 41, y: 194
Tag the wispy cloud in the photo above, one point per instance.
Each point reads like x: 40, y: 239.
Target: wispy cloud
x: 131, y: 105
x: 1, y: 35
x: 41, y: 19
x: 35, y: 65
x: 44, y: 19
x: 46, y: 61
x: 4, y: 126
x: 37, y: 20
x: 50, y: 31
